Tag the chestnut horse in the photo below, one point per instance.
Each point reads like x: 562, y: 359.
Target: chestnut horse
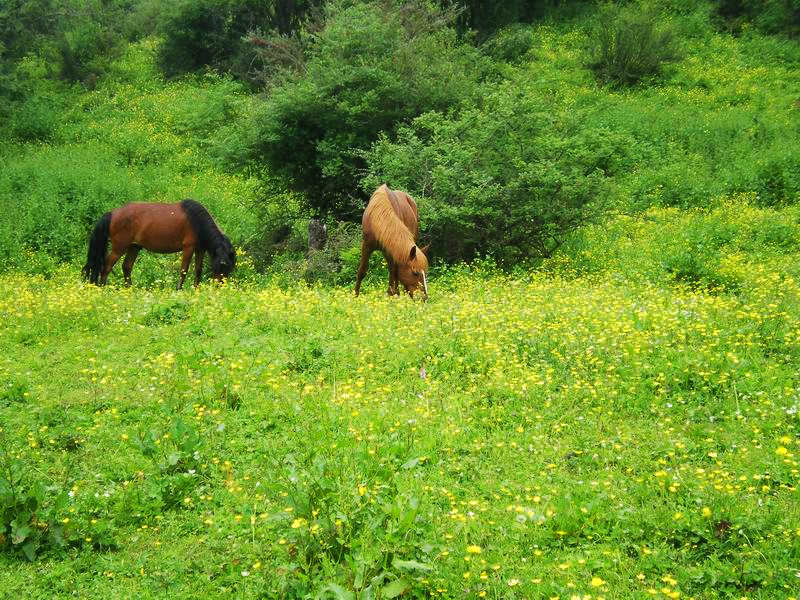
x: 185, y: 226
x: 390, y: 223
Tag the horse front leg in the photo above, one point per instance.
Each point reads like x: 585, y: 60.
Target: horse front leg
x: 111, y: 260
x: 198, y: 266
x: 366, y: 250
x: 394, y: 270
x: 185, y: 260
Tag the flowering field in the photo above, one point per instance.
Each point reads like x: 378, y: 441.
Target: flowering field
x: 512, y: 438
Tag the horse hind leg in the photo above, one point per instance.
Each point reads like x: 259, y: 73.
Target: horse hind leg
x: 127, y: 264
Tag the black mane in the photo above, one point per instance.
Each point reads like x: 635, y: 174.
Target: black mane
x: 210, y: 237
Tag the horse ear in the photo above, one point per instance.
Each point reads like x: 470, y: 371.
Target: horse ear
x: 413, y: 253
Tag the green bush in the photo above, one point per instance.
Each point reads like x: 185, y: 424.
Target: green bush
x: 771, y: 16
x: 778, y: 179
x: 696, y: 269
x: 369, y: 71
x: 627, y: 44
x: 196, y: 34
x: 212, y: 32
x: 65, y: 191
x: 35, y: 119
x: 509, y: 44
x: 487, y: 17
x: 510, y: 180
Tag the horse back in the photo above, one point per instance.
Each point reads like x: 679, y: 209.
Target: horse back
x: 406, y: 209
x: 155, y: 226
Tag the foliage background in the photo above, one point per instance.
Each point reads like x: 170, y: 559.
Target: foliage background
x: 503, y: 124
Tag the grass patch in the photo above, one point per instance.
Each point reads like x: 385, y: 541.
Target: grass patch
x: 586, y: 436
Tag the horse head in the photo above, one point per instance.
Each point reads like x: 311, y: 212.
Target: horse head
x: 413, y: 273
x: 224, y: 259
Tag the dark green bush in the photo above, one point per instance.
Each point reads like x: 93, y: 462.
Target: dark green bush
x: 629, y: 43
x: 778, y: 179
x: 370, y: 70
x: 770, y: 16
x: 199, y: 33
x: 35, y: 119
x: 336, y: 263
x: 487, y: 17
x: 696, y: 269
x: 510, y: 179
x: 509, y: 44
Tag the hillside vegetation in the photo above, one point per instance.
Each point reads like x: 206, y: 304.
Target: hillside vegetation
x: 509, y: 147
x: 599, y: 400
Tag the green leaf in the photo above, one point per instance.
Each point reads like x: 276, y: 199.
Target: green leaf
x: 19, y: 532
x: 395, y: 588
x: 57, y: 533
x: 411, y: 565
x: 337, y: 591
x: 411, y: 463
x: 29, y: 550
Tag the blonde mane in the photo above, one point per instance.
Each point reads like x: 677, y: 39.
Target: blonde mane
x: 390, y: 232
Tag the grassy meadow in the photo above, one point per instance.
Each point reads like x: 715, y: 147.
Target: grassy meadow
x: 615, y: 418
x: 512, y: 438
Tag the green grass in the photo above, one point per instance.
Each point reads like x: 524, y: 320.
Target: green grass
x: 511, y: 438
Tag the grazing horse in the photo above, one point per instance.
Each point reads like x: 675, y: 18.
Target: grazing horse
x: 185, y: 226
x: 390, y: 223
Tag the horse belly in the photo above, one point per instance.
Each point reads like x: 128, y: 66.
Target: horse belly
x: 162, y: 237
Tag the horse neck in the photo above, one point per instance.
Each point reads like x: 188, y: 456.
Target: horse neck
x: 390, y: 231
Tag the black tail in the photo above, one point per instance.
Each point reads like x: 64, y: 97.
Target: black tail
x: 211, y: 238
x: 96, y: 258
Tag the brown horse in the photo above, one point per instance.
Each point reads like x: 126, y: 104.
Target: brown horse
x: 390, y: 223
x: 186, y: 226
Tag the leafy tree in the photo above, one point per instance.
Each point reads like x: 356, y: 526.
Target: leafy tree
x: 771, y: 16
x: 509, y: 179
x: 371, y: 68
x: 627, y: 44
x: 487, y: 17
x: 199, y: 33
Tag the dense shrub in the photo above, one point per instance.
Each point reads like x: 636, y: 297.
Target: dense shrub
x: 778, y: 179
x: 509, y: 44
x: 79, y: 36
x: 629, y: 43
x: 771, y: 16
x: 197, y: 34
x: 53, y: 199
x: 370, y: 70
x: 487, y: 17
x: 212, y: 32
x: 45, y: 43
x: 510, y: 179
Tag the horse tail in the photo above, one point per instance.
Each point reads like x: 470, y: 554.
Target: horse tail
x: 210, y: 237
x: 98, y: 241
